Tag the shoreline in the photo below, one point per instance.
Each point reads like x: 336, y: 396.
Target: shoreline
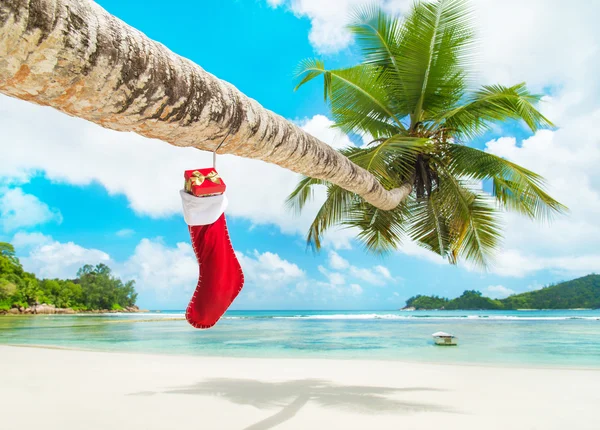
x: 46, y: 309
x: 521, y: 366
x: 413, y: 309
x: 156, y: 392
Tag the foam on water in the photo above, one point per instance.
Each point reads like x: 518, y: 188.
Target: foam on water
x: 564, y: 338
x: 431, y: 317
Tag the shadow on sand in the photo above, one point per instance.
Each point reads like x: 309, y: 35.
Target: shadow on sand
x: 292, y: 396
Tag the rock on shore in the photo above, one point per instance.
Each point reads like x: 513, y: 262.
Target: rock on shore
x: 45, y: 309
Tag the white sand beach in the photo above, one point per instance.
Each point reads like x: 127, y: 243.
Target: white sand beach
x: 66, y: 389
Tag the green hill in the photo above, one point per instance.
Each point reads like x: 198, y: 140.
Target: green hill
x: 578, y: 293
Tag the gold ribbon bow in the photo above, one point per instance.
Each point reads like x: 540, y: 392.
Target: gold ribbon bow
x: 198, y: 179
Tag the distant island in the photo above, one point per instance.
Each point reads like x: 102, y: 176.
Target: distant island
x: 580, y: 293
x: 94, y: 290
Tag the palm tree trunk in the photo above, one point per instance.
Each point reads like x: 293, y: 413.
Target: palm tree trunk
x: 76, y: 57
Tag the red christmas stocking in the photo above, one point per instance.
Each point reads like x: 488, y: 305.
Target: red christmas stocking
x: 221, y: 278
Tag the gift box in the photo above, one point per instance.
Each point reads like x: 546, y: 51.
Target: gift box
x: 203, y: 182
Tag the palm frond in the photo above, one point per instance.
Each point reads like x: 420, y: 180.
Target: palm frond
x: 428, y: 226
x: 515, y: 188
x: 392, y: 160
x: 435, y: 47
x: 309, y: 69
x: 359, y: 101
x: 333, y: 212
x: 481, y: 235
x: 380, y: 231
x: 302, y: 193
x: 494, y: 103
x: 377, y: 33
x: 475, y: 226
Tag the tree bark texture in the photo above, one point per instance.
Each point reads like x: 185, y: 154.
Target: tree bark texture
x: 76, y: 57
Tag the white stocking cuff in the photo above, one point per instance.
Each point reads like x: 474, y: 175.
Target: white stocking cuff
x: 202, y: 210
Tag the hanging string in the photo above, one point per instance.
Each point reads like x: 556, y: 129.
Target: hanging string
x: 217, y: 148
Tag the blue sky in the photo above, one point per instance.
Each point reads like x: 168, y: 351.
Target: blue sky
x: 68, y: 196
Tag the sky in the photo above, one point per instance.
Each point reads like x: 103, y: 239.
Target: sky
x: 73, y: 193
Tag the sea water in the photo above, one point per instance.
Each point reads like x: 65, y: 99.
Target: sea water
x: 531, y: 338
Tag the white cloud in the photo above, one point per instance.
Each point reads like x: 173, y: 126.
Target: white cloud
x: 568, y: 159
x: 154, y: 266
x: 268, y: 270
x: 329, y: 19
x: 513, y: 263
x: 166, y: 275
x: 356, y: 289
x: 518, y: 39
x: 499, y: 291
x: 367, y: 275
x: 334, y: 278
x: 71, y: 150
x: 337, y: 262
x: 322, y: 127
x: 378, y: 275
x: 48, y: 258
x: 23, y: 241
x: 519, y: 42
x: 125, y: 232
x: 159, y: 269
x: 384, y: 271
x: 411, y: 248
x: 19, y: 210
x: 338, y: 237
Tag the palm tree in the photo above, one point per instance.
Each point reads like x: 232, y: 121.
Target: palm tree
x: 410, y: 97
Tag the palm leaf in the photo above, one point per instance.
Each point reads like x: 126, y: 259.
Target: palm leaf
x: 332, y: 212
x: 380, y: 231
x: 357, y: 96
x: 435, y: 48
x: 302, y: 193
x: 494, y: 103
x: 475, y: 227
x: 309, y: 69
x: 429, y: 226
x: 377, y: 33
x: 515, y: 188
x: 392, y: 161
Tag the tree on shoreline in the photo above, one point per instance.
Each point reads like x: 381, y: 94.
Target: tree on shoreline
x: 411, y: 98
x: 95, y: 288
x: 580, y: 293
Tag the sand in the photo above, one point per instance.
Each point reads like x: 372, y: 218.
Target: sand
x: 66, y: 389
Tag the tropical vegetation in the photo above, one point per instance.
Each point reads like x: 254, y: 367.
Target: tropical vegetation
x: 580, y: 293
x: 94, y: 288
x: 412, y: 99
x: 427, y: 302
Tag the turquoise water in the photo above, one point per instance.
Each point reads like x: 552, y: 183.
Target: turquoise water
x: 536, y: 338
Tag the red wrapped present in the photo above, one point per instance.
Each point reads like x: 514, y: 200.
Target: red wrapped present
x: 203, y: 182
